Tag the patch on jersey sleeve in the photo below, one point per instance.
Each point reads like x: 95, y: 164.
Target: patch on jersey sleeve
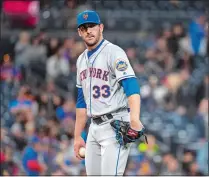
x: 121, y: 65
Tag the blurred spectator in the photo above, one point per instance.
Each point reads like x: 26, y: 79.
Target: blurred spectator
x: 202, y: 122
x: 52, y: 47
x: 2, y: 160
x: 69, y: 13
x: 202, y: 91
x: 159, y: 91
x: 195, y: 43
x: 151, y: 65
x: 171, y: 166
x: 30, y: 161
x: 131, y: 168
x: 199, y: 123
x: 174, y: 80
x: 193, y: 170
x: 66, y: 111
x: 43, y: 100
x: 24, y: 103
x: 7, y: 48
x: 18, y: 136
x: 57, y: 65
x: 30, y: 129
x: 8, y: 167
x: 21, y: 49
x: 145, y: 169
x: 131, y: 54
x: 5, y: 138
x: 166, y: 32
x: 9, y: 72
x: 77, y: 49
x: 66, y: 159
x: 185, y: 62
x: 188, y: 158
x: 202, y: 158
x: 37, y: 51
x: 173, y: 40
x: 68, y: 45
x: 164, y: 58
x: 184, y: 97
x: 48, y: 101
x: 197, y: 35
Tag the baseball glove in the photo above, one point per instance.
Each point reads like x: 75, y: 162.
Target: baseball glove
x: 125, y: 134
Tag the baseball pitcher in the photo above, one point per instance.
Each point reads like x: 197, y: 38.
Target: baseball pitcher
x: 109, y: 94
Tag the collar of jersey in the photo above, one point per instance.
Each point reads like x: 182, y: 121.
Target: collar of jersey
x: 89, y: 53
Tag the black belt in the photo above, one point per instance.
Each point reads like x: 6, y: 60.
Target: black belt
x: 101, y: 119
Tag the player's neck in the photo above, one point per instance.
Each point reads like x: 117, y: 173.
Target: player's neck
x: 93, y: 47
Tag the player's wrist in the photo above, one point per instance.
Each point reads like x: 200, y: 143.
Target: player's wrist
x: 77, y: 137
x: 136, y: 125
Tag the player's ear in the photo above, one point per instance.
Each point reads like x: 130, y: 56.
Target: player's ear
x: 79, y: 33
x: 101, y: 27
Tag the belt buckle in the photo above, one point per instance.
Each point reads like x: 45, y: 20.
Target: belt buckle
x: 104, y: 118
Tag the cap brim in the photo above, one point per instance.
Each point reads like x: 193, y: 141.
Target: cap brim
x: 88, y: 22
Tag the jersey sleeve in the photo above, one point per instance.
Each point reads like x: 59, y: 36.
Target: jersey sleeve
x: 80, y: 99
x: 120, y: 65
x: 130, y: 86
x: 78, y: 81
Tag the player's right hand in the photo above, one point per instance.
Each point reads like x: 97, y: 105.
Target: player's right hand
x: 78, y: 143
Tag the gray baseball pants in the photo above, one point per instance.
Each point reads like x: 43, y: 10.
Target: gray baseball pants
x: 104, y: 156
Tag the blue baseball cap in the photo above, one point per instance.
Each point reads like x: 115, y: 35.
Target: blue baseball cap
x: 88, y: 16
x: 34, y: 139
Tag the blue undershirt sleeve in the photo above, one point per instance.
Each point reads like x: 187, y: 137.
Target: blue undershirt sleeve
x: 130, y: 86
x: 80, y: 99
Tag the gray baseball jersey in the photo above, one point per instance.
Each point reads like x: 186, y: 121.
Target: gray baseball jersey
x: 99, y: 78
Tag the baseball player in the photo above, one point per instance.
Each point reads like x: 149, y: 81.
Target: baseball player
x: 109, y: 94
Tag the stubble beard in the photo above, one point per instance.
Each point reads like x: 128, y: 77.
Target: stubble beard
x: 95, y: 42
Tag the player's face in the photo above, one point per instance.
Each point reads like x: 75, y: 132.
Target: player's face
x: 91, y: 33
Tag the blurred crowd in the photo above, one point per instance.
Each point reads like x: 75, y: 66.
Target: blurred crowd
x: 38, y: 97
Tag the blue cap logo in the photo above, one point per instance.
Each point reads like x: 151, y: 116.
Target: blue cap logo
x: 85, y: 16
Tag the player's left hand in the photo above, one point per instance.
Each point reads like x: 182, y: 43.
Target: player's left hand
x: 125, y: 133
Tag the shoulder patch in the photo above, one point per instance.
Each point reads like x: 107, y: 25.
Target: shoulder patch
x: 121, y: 65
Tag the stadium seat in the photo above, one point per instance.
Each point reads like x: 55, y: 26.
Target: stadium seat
x: 158, y: 123
x: 110, y: 24
x: 58, y: 24
x: 130, y: 24
x: 111, y: 4
x: 131, y: 4
x: 146, y: 5
x: 181, y: 137
x: 97, y: 4
x: 59, y: 4
x: 146, y: 118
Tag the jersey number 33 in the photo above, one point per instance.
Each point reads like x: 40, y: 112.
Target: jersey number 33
x: 103, y: 91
